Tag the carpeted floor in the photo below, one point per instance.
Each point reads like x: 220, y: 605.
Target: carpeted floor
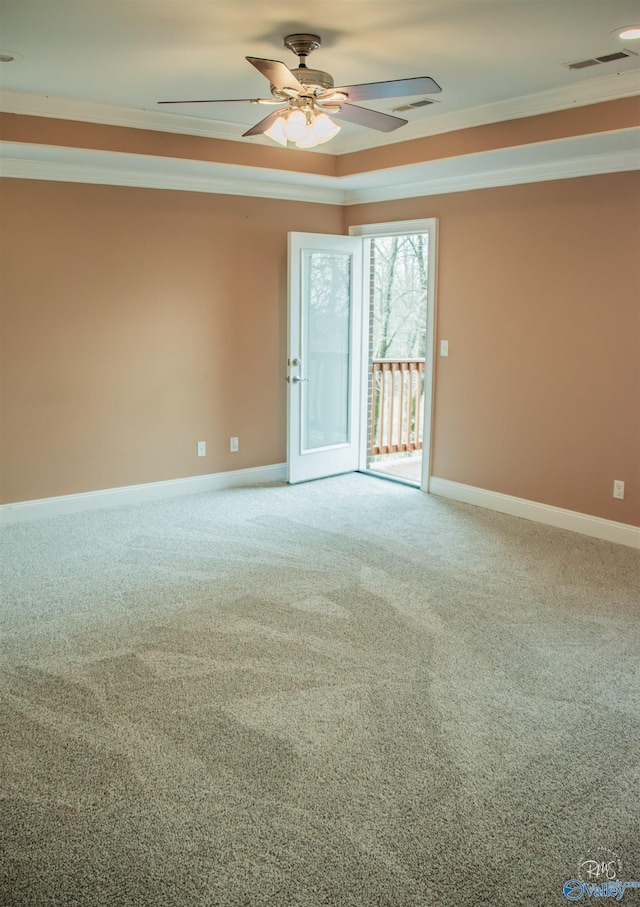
x: 339, y: 693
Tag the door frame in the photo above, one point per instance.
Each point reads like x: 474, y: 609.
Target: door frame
x: 399, y: 228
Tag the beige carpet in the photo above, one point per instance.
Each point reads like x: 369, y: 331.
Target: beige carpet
x: 340, y: 693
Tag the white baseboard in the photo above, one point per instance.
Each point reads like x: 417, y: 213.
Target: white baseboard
x: 21, y: 511
x: 609, y: 530
x: 139, y: 494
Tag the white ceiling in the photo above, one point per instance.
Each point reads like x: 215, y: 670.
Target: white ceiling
x: 93, y: 57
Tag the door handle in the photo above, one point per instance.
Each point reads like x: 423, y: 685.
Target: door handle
x: 297, y: 379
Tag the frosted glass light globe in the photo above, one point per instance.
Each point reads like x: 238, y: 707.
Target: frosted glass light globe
x: 296, y: 126
x: 325, y: 128
x: 276, y: 131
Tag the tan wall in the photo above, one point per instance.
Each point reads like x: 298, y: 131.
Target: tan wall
x: 135, y: 323
x: 539, y: 298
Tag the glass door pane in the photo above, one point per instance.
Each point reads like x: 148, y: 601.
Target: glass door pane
x: 326, y: 328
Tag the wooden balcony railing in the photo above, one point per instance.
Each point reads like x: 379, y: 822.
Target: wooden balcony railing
x: 397, y: 405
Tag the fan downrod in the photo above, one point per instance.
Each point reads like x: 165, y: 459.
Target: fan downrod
x: 302, y: 45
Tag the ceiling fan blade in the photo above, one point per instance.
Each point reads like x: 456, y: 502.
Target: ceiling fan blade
x: 383, y: 122
x: 278, y: 74
x: 227, y: 101
x: 263, y: 125
x: 396, y: 88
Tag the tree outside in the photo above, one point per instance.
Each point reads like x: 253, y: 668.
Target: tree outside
x: 399, y: 336
x: 399, y: 296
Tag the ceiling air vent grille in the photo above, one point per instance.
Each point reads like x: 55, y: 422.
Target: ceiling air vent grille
x: 424, y: 103
x: 605, y: 58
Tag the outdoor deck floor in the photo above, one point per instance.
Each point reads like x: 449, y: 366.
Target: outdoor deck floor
x: 408, y: 468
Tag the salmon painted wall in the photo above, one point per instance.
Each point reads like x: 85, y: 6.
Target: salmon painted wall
x: 135, y: 323
x: 539, y: 297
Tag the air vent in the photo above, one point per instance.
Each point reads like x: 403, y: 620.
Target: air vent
x: 618, y: 55
x: 424, y: 103
x: 605, y: 58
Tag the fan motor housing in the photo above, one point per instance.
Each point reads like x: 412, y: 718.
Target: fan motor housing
x: 315, y: 83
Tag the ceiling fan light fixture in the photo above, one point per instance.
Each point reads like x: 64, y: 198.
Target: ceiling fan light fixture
x: 309, y: 141
x: 325, y: 128
x: 295, y: 127
x: 312, y: 136
x: 320, y: 129
x: 276, y: 131
x: 305, y: 127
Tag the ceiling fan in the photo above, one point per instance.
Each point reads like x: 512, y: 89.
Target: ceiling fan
x: 305, y: 97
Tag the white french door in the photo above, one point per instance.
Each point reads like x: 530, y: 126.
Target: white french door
x: 324, y: 355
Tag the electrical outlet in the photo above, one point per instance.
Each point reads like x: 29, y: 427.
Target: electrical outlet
x: 202, y: 448
x: 233, y: 445
x: 618, y: 489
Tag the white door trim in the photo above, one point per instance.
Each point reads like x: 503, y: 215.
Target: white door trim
x: 398, y: 228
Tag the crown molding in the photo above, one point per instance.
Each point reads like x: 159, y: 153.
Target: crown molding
x: 74, y: 165
x: 564, y: 159
x: 610, y: 162
x: 589, y: 91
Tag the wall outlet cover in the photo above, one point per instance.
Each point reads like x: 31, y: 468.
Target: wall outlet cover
x: 618, y: 489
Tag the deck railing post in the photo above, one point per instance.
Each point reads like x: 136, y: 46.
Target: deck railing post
x: 396, y: 412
